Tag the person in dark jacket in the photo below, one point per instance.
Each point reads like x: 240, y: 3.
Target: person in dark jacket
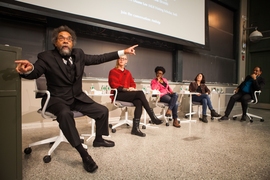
x: 245, y: 92
x: 203, y: 96
x: 63, y: 68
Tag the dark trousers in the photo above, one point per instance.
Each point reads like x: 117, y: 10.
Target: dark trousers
x: 138, y: 99
x: 242, y: 97
x: 172, y: 100
x: 205, y: 100
x: 66, y: 121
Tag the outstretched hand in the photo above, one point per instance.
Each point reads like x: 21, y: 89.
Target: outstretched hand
x: 23, y: 66
x: 131, y: 50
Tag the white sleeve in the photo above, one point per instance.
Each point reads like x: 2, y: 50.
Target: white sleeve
x: 121, y: 53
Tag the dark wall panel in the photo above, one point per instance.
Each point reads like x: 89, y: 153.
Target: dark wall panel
x: 216, y: 69
x: 29, y: 37
x: 141, y: 65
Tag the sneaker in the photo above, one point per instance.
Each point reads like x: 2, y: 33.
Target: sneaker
x: 223, y: 118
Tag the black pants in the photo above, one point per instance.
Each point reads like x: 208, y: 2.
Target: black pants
x: 242, y: 97
x: 66, y: 120
x: 138, y: 99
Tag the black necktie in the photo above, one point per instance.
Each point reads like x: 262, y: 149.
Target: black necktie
x: 68, y: 62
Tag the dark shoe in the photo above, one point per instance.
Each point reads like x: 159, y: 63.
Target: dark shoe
x: 243, y: 118
x: 136, y: 128
x: 176, y: 123
x: 154, y: 118
x: 89, y: 164
x: 214, y: 113
x: 104, y: 143
x: 156, y: 121
x: 204, y: 119
x: 223, y: 118
x: 168, y: 113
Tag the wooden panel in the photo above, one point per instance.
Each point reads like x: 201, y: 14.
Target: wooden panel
x: 10, y: 113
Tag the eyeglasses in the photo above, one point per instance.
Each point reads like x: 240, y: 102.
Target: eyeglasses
x: 62, y: 38
x: 123, y: 58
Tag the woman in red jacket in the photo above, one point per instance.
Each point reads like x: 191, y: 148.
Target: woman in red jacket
x: 122, y: 80
x: 166, y: 94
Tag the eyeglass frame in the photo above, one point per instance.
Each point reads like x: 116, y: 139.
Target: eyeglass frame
x: 62, y: 38
x: 123, y: 59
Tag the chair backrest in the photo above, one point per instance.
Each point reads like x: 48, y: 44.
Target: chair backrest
x: 41, y: 85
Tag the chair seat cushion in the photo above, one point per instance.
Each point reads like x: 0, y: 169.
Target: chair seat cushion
x: 196, y: 103
x: 162, y: 104
x: 77, y: 114
x: 124, y: 104
x: 51, y: 115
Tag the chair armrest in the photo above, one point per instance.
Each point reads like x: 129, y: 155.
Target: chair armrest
x: 114, y: 98
x: 46, y: 102
x: 156, y: 95
x: 256, y: 93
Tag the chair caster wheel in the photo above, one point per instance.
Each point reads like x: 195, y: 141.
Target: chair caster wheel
x: 212, y: 118
x: 47, y: 159
x: 251, y: 121
x: 143, y: 127
x: 150, y: 122
x: 110, y: 125
x: 170, y: 119
x: 28, y: 150
x: 113, y: 130
x: 167, y: 124
x: 234, y: 118
x: 262, y: 120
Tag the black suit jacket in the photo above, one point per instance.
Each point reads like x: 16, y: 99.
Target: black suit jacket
x: 255, y: 86
x: 50, y: 63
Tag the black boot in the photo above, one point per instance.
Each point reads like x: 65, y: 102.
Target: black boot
x: 136, y: 128
x: 204, y: 119
x: 214, y: 113
x: 154, y: 118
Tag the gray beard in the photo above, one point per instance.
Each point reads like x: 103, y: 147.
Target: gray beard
x: 64, y: 53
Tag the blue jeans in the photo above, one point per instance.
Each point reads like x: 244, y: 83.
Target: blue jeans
x: 205, y: 100
x: 171, y: 99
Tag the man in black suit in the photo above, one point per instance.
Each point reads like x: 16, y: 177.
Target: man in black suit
x: 63, y: 68
x: 245, y: 92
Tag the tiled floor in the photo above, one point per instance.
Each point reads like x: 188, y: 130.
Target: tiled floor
x: 217, y: 150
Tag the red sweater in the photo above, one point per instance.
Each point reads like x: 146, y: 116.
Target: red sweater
x: 118, y: 78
